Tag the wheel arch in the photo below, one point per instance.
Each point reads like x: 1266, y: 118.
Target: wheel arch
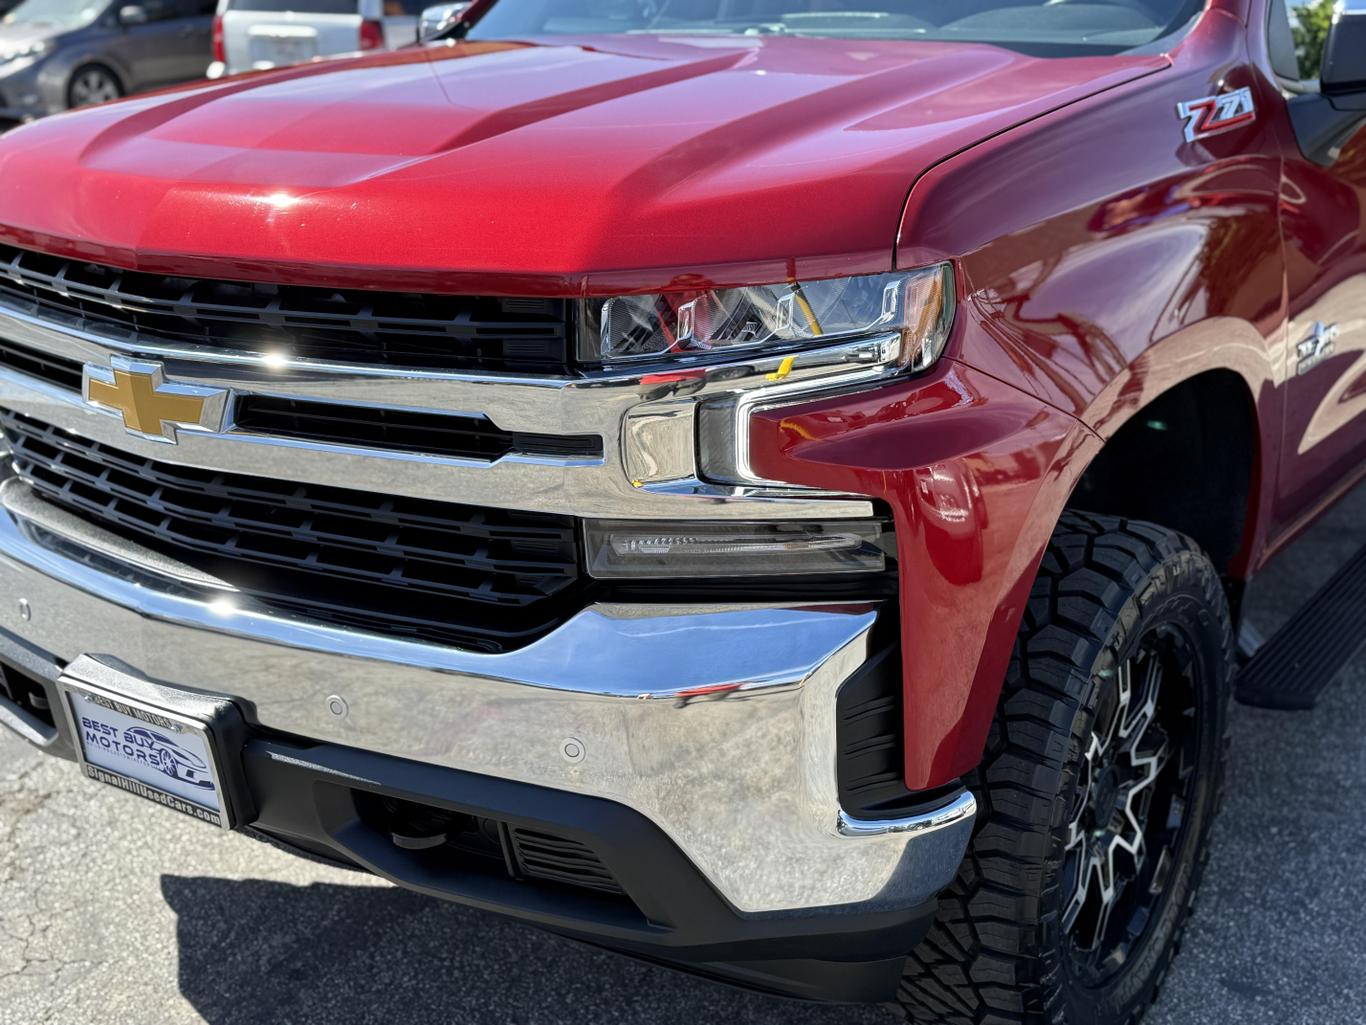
x: 1191, y: 440
x: 1192, y: 460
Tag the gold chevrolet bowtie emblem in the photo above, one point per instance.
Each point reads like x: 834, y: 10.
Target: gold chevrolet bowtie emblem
x: 151, y: 406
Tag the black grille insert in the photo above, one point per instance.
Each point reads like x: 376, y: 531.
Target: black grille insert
x: 65, y: 373
x: 558, y: 859
x: 869, y: 731
x: 485, y: 579
x: 404, y: 430
x: 397, y: 329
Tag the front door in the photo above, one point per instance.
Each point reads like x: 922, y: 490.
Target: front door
x: 1324, y: 217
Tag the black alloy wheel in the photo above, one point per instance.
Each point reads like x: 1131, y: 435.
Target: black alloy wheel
x: 1130, y: 805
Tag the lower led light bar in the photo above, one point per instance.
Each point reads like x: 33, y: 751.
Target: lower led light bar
x: 620, y: 549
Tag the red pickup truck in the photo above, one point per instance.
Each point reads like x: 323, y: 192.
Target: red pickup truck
x: 763, y: 487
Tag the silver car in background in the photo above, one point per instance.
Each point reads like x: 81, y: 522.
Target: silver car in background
x: 256, y: 34
x: 57, y: 54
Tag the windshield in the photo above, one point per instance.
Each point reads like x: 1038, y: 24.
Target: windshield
x: 58, y: 13
x: 1044, y: 27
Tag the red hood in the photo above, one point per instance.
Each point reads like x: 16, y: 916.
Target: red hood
x: 531, y: 167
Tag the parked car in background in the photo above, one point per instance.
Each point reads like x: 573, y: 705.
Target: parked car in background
x: 250, y: 35
x: 58, y: 54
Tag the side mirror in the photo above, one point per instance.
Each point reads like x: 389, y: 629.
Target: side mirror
x: 1326, y: 121
x: 1344, y: 55
x: 439, y: 20
x: 133, y: 14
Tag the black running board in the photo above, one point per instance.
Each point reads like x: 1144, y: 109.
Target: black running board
x: 1292, y: 669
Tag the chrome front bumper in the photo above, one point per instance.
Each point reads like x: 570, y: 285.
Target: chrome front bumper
x: 717, y: 723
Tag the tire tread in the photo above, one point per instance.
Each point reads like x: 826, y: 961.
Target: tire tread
x: 983, y: 962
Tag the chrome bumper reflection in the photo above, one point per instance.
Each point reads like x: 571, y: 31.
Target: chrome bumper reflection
x: 718, y: 723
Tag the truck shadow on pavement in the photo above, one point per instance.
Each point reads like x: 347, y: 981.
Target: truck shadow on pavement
x: 258, y: 952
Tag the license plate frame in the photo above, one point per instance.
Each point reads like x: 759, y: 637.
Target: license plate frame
x: 170, y: 739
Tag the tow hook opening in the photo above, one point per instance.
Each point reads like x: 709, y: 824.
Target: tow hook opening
x: 416, y: 827
x: 27, y: 693
x: 411, y: 826
x: 445, y: 842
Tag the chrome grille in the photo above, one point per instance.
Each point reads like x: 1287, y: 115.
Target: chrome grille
x: 401, y: 430
x: 612, y: 445
x: 392, y: 329
x: 479, y: 578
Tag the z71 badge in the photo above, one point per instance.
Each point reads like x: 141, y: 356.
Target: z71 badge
x: 1215, y: 114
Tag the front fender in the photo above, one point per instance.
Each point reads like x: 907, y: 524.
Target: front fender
x: 1102, y: 259
x: 976, y: 473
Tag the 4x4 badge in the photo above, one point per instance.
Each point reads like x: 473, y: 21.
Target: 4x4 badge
x: 1214, y: 114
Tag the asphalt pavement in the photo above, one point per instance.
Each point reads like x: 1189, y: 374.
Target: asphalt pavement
x: 113, y: 911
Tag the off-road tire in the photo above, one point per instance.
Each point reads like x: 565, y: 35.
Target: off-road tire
x: 997, y: 954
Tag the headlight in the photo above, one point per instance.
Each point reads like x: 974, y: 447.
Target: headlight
x: 671, y: 325
x: 36, y: 49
